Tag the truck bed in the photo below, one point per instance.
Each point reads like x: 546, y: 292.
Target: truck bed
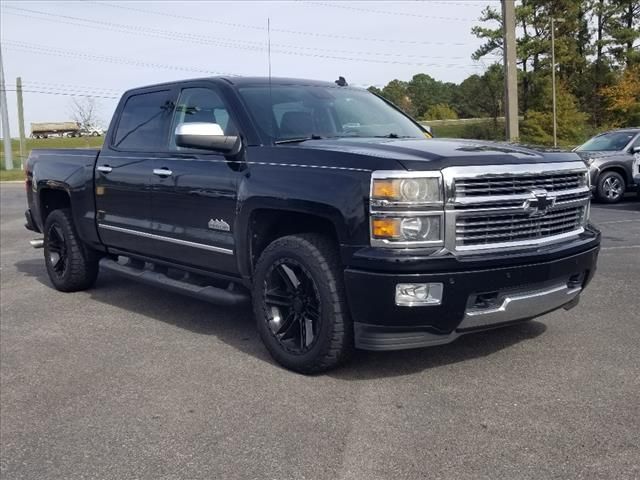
x: 69, y: 170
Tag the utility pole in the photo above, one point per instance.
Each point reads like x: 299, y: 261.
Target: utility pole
x: 21, y: 121
x: 553, y: 78
x: 6, y: 134
x: 510, y: 70
x: 553, y: 82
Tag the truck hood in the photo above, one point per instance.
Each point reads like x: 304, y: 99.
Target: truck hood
x: 419, y: 154
x: 598, y: 154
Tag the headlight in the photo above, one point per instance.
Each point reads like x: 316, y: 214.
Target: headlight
x: 407, y: 209
x: 406, y: 230
x: 416, y: 189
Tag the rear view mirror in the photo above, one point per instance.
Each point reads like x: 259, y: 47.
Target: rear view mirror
x: 206, y: 136
x: 635, y: 149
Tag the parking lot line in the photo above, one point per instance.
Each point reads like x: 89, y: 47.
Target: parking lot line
x: 617, y: 221
x: 620, y: 247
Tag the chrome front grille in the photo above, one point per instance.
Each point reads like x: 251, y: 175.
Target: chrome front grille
x: 514, y: 185
x: 514, y: 206
x: 490, y: 229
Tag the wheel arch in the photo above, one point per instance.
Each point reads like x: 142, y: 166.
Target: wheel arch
x: 52, y: 198
x: 618, y: 169
x: 266, y: 224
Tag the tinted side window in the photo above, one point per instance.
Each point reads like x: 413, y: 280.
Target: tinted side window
x: 201, y: 105
x: 636, y: 143
x: 143, y: 122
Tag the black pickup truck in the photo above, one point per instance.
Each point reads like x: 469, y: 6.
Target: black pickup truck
x: 324, y: 205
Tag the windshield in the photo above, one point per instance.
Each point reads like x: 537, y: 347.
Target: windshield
x: 303, y: 111
x: 607, y: 142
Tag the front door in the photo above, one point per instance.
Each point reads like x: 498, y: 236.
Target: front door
x: 124, y: 171
x: 195, y: 191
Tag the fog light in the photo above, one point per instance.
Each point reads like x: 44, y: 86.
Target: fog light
x: 416, y: 294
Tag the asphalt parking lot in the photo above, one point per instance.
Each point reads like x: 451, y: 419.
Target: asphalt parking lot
x: 127, y: 381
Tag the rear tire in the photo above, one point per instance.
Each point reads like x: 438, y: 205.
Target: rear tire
x: 71, y: 265
x: 611, y: 187
x: 300, y: 304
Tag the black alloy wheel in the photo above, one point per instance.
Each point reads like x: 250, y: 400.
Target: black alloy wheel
x: 300, y: 303
x: 57, y: 250
x: 71, y: 264
x: 292, y: 303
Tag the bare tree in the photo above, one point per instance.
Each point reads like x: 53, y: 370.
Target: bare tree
x: 85, y: 111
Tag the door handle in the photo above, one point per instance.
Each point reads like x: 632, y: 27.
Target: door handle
x: 162, y: 172
x: 104, y: 168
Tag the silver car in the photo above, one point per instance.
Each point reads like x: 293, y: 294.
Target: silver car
x: 610, y: 158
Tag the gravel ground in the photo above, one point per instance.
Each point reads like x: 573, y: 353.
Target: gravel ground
x: 126, y: 381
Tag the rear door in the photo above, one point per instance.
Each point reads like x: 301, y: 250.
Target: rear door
x: 195, y: 191
x: 125, y: 168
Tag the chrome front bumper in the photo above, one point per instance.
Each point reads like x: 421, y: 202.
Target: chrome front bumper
x: 520, y: 305
x: 511, y: 307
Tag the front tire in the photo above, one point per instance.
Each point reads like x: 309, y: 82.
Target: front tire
x: 71, y: 265
x: 611, y: 187
x: 300, y: 304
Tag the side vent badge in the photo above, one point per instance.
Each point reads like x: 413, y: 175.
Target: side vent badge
x: 219, y: 225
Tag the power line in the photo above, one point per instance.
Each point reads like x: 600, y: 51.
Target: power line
x: 78, y: 90
x: 43, y: 50
x: 139, y: 31
x: 390, y: 12
x: 252, y: 46
x: 464, y: 3
x: 66, y: 86
x: 280, y: 30
x: 67, y: 94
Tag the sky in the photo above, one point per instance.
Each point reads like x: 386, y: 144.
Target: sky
x: 102, y: 48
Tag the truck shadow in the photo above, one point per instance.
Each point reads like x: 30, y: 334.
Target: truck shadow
x: 235, y: 327
x: 371, y: 365
x: 630, y: 203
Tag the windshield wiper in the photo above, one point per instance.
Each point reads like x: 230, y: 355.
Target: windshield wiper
x: 392, y: 135
x: 299, y: 139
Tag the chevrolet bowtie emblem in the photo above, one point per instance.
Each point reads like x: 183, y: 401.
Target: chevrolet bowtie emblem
x: 539, y: 203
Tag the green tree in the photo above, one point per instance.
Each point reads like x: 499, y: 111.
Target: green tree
x: 396, y: 92
x: 623, y: 27
x: 440, y: 111
x: 425, y: 92
x: 468, y: 98
x: 537, y: 126
x: 481, y: 95
x: 623, y: 98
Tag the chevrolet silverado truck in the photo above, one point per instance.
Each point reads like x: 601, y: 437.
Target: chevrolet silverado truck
x: 325, y: 206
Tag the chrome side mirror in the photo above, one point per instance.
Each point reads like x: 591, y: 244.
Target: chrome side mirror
x: 206, y: 136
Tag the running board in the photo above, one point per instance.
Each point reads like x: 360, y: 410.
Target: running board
x: 208, y: 293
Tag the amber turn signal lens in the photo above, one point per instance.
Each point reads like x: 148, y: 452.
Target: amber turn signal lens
x: 386, y: 189
x: 386, y: 228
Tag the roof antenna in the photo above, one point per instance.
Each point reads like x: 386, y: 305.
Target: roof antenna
x: 271, y: 119
x: 269, y: 46
x: 341, y: 82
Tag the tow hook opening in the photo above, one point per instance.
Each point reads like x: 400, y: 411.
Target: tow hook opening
x: 576, y: 280
x: 486, y: 300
